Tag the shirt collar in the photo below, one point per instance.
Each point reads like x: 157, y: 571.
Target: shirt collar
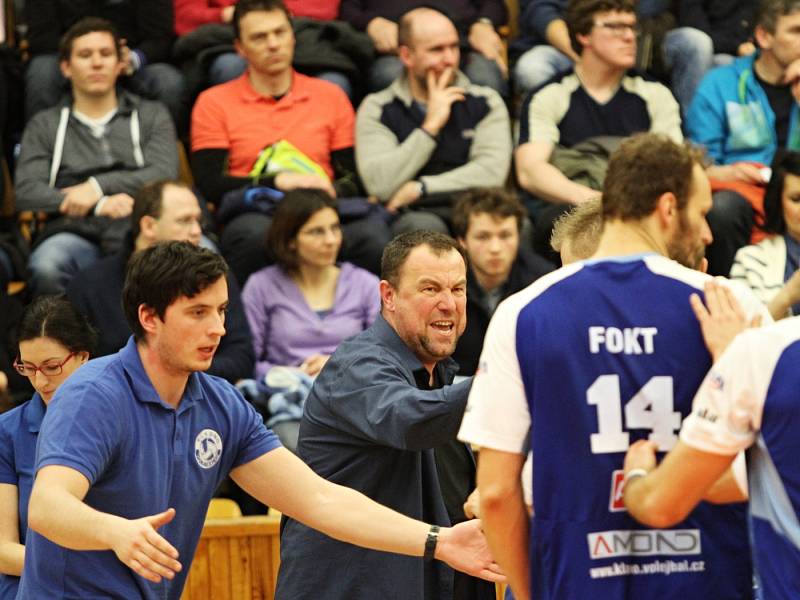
x: 445, y: 368
x: 297, y: 92
x: 142, y: 386
x: 34, y: 413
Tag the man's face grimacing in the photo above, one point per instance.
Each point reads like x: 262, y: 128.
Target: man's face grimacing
x: 434, y: 48
x: 687, y: 244
x: 427, y: 307
x: 93, y: 66
x: 491, y: 244
x: 192, y: 328
x: 266, y: 42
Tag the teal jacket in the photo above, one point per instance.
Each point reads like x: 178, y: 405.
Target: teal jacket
x: 731, y: 116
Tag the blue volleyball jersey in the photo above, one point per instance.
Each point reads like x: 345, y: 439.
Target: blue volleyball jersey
x: 583, y: 363
x: 751, y: 398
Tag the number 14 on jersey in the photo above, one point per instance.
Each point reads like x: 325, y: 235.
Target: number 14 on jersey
x: 651, y: 408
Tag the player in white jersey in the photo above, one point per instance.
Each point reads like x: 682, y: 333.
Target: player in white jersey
x: 584, y: 362
x: 749, y: 400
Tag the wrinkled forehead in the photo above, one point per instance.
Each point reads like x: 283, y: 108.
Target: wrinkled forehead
x: 424, y: 262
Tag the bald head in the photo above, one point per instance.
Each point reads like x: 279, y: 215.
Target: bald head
x: 421, y: 22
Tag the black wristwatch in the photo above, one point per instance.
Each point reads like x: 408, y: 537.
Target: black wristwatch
x: 430, y: 543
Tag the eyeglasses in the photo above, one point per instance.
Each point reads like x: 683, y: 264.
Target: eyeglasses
x: 48, y: 369
x: 619, y: 29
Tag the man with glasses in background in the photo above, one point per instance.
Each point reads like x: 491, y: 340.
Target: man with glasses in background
x: 598, y: 97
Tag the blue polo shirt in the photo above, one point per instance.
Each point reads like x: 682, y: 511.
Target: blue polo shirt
x: 141, y: 456
x: 19, y: 429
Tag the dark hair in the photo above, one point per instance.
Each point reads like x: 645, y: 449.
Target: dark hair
x: 784, y: 162
x: 243, y: 7
x: 644, y: 167
x: 498, y: 202
x: 769, y: 11
x: 579, y: 16
x: 160, y: 274
x: 149, y: 202
x: 397, y: 251
x: 294, y: 211
x: 405, y: 25
x: 83, y: 27
x: 56, y: 318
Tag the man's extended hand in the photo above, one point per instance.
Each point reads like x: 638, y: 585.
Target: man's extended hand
x: 78, y: 199
x: 441, y: 96
x: 464, y: 548
x: 286, y: 180
x: 116, y: 206
x: 407, y: 194
x: 137, y: 544
x: 721, y: 318
x: 383, y: 34
x: 484, y: 39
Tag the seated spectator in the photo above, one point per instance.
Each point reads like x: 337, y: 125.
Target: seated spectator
x: 80, y: 162
x: 770, y: 268
x: 597, y: 98
x: 227, y: 65
x: 54, y: 340
x: 742, y: 113
x: 162, y: 211
x: 431, y: 133
x: 482, y: 60
x: 487, y: 225
x: 271, y: 104
x: 304, y: 306
x: 729, y: 24
x: 546, y: 49
x: 144, y: 25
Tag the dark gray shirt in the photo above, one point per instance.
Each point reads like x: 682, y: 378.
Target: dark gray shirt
x: 368, y: 426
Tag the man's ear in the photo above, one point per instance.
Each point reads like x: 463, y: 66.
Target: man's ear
x: 404, y: 54
x: 667, y: 209
x: 148, y: 318
x: 388, y: 295
x: 147, y: 226
x: 462, y: 242
x: 65, y: 68
x: 763, y: 38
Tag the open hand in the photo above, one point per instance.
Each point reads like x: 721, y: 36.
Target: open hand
x: 721, y: 318
x: 464, y: 548
x: 137, y: 544
x: 484, y: 39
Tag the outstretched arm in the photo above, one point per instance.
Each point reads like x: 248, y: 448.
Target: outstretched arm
x: 57, y: 512
x: 280, y: 479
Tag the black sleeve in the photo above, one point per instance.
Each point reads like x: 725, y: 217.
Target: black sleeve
x: 210, y: 170
x: 346, y: 182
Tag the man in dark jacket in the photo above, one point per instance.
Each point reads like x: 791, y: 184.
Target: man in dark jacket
x: 163, y: 211
x: 487, y: 223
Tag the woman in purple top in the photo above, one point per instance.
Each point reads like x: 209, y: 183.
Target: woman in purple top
x: 54, y: 340
x: 302, y: 307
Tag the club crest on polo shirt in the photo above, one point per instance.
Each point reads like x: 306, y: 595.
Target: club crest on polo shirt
x: 207, y: 448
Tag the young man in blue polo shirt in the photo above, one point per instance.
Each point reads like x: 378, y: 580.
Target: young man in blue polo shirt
x: 141, y: 441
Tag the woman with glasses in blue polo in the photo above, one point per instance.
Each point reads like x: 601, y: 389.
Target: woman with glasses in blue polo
x: 54, y: 340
